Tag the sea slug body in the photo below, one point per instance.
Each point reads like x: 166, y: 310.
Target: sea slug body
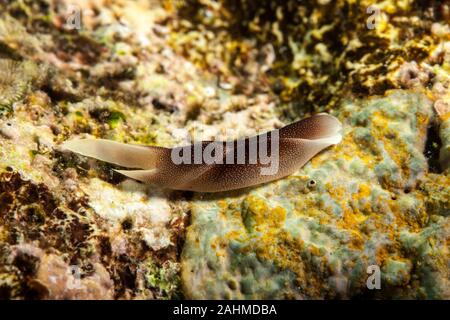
x: 216, y: 166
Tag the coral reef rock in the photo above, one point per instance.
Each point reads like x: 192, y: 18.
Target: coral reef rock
x: 314, y: 234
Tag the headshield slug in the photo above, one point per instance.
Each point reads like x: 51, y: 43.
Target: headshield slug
x: 215, y: 166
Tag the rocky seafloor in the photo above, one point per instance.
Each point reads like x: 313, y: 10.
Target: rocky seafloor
x: 165, y: 72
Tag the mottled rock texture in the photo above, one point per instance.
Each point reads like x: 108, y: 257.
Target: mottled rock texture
x: 314, y: 234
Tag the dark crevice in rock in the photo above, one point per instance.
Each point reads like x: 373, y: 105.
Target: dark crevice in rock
x: 432, y: 147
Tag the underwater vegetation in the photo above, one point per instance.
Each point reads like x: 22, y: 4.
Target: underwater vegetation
x: 16, y: 80
x: 163, y: 73
x: 312, y: 53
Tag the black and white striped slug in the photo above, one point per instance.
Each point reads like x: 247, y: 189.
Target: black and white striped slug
x: 215, y: 166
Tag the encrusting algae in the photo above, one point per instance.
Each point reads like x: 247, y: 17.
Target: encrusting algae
x: 304, y: 239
